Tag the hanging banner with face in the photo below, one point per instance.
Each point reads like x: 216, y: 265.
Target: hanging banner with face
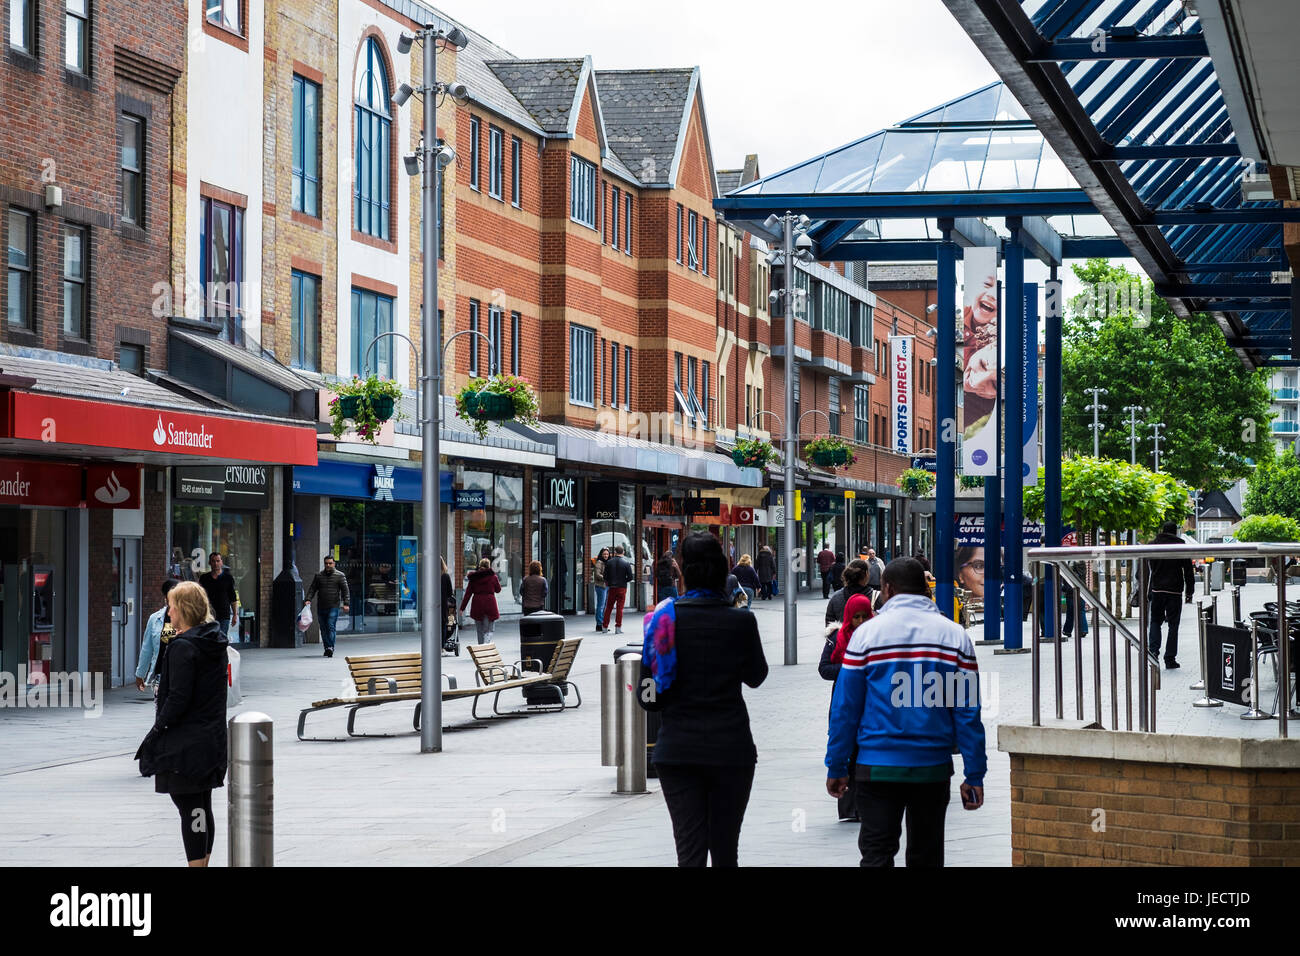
x: 1029, y: 420
x: 900, y: 377
x: 981, y: 361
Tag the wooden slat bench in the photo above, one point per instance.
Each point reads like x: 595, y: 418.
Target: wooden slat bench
x: 379, y: 679
x: 494, y: 676
x: 560, y: 666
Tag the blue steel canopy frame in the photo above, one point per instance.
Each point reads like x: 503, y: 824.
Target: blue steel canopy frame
x: 1126, y: 94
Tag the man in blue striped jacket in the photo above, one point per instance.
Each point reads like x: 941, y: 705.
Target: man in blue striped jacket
x: 909, y: 692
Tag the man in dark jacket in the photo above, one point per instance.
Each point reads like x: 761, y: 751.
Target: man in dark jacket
x: 765, y: 565
x: 618, y: 575
x: 1167, y: 579
x: 332, y: 585
x: 219, y: 585
x: 825, y: 558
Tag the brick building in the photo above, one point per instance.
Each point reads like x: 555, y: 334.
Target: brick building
x: 92, y: 200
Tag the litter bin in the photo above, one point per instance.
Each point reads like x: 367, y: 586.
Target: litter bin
x: 538, y: 636
x: 653, y: 718
x: 286, y: 602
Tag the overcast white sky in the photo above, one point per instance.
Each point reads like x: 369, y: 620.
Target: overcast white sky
x: 784, y: 80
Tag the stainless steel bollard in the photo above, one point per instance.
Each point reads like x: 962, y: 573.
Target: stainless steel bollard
x: 631, y: 727
x: 609, y: 715
x: 252, y: 793
x: 1236, y: 606
x: 1203, y: 620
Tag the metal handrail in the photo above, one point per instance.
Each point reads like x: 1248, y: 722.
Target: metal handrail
x: 1128, y: 552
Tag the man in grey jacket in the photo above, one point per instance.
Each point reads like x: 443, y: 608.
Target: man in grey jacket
x: 332, y: 585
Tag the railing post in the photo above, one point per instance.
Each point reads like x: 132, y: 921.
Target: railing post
x: 1254, y: 712
x: 1060, y: 640
x: 1203, y: 622
x: 1283, y: 651
x: 1035, y: 688
x: 1144, y: 671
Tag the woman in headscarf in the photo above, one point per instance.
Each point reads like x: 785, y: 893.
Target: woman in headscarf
x: 697, y: 653
x: 857, y: 611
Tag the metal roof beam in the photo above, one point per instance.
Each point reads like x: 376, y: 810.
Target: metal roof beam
x: 1206, y: 217
x: 1228, y: 290
x: 1040, y: 240
x: 1267, y: 265
x: 1262, y: 306
x: 860, y: 206
x: 1121, y: 48
x: 1121, y: 154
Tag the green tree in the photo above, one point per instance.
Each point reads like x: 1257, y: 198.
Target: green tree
x: 1269, y: 528
x: 1114, y: 495
x: 1215, y: 412
x: 1274, y: 486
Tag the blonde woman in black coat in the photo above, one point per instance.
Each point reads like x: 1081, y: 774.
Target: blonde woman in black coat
x: 185, y: 750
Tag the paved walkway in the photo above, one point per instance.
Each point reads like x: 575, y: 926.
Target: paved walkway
x: 519, y: 792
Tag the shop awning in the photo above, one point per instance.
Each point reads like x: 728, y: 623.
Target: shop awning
x: 89, y: 408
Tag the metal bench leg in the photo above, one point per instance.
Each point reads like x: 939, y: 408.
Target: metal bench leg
x: 302, y: 721
x: 575, y: 694
x: 415, y: 721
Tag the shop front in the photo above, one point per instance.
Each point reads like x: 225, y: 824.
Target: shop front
x: 611, y: 513
x: 366, y: 516
x: 44, y: 599
x: 489, y: 518
x: 558, y: 541
x: 219, y: 509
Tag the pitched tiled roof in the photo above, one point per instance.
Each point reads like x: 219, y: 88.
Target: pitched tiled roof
x: 545, y: 88
x: 729, y: 179
x: 643, y: 112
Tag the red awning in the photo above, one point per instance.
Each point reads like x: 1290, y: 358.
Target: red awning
x: 59, y: 425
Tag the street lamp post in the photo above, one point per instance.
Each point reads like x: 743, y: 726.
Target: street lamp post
x: 789, y: 224
x: 1155, y: 438
x: 1097, y: 426
x: 430, y: 158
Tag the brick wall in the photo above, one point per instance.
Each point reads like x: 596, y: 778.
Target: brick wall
x: 1190, y: 801
x: 57, y: 128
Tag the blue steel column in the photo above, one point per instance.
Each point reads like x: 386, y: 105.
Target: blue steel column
x: 993, y: 536
x: 946, y: 447
x: 1013, y: 331
x: 1052, y: 442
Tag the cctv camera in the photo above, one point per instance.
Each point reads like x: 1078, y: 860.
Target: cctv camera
x: 403, y: 94
x: 459, y: 92
x: 445, y: 156
x: 412, y: 164
x: 404, y: 43
x: 456, y: 37
x: 804, y: 243
x: 929, y: 309
x: 773, y: 297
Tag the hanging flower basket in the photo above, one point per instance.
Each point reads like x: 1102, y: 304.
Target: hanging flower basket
x: 753, y: 453
x: 829, y: 451
x: 367, y: 403
x: 502, y: 398
x: 916, y: 482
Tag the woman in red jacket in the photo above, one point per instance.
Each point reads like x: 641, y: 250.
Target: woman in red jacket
x: 482, y: 586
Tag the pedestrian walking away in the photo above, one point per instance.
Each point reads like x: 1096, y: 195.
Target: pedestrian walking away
x: 533, y: 590
x: 668, y: 576
x: 906, y: 739
x: 825, y: 559
x: 219, y: 585
x: 185, y: 749
x: 450, y: 642
x: 857, y: 611
x: 1167, y: 580
x: 697, y: 652
x: 855, y: 582
x: 602, y: 589
x: 146, y: 668
x: 765, y: 565
x: 836, y: 573
x: 332, y: 586
x: 747, y: 577
x: 481, y: 588
x: 618, y: 575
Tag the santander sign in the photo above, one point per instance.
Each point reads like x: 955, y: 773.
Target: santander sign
x: 173, y: 437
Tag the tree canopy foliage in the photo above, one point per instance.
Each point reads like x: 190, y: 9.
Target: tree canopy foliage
x: 1215, y: 412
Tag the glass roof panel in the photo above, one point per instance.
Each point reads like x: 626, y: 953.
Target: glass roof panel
x: 849, y: 170
x: 800, y: 179
x: 979, y: 107
x: 958, y: 162
x: 904, y: 161
x: 1013, y: 160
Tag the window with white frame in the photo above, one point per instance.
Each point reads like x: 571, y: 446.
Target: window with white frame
x: 496, y: 163
x: 613, y: 219
x: 496, y: 322
x: 627, y: 377
x: 76, y: 36
x: 582, y: 197
x: 515, y: 329
x: 475, y: 157
x: 516, y: 171
x: 627, y: 223
x: 582, y: 365
x: 76, y: 256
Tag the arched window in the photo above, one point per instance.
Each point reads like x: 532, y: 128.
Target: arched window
x: 374, y: 144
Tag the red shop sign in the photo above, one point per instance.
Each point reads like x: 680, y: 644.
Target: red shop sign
x: 74, y: 421
x: 40, y: 483
x: 112, y: 486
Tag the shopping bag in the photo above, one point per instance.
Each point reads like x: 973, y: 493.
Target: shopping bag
x: 775, y: 590
x: 304, y: 619
x: 233, y: 694
x: 343, y: 623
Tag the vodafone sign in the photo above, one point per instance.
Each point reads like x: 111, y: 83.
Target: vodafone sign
x: 75, y: 421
